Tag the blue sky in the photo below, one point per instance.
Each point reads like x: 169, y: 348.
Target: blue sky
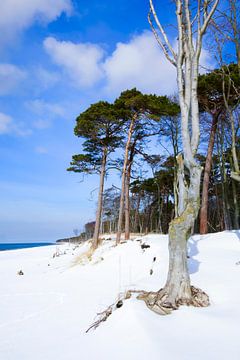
x: 56, y: 58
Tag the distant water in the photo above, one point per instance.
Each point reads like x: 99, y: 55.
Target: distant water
x: 14, y: 246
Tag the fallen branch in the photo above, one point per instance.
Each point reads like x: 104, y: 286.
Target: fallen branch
x: 103, y: 316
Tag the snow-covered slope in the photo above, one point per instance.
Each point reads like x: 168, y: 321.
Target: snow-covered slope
x: 45, y: 312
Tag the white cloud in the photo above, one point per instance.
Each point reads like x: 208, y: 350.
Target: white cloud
x: 42, y: 124
x: 16, y: 15
x: 45, y: 112
x: 5, y: 123
x: 46, y: 78
x: 41, y: 107
x: 8, y: 126
x: 10, y: 78
x: 82, y: 62
x: 137, y: 63
x: 140, y: 63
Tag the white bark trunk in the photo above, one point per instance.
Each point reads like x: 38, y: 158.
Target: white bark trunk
x: 177, y: 289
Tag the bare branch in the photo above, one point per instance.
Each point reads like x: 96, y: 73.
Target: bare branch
x: 208, y: 17
x: 168, y: 45
x: 173, y: 62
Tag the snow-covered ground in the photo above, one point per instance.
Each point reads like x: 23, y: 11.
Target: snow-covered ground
x: 45, y: 312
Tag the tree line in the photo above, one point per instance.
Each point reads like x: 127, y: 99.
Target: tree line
x: 199, y: 130
x: 148, y: 203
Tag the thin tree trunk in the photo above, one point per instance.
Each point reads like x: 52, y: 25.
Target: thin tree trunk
x: 136, y: 226
x: 219, y: 208
x: 206, y: 177
x: 127, y: 195
x: 148, y: 223
x: 226, y: 207
x: 236, y: 173
x: 95, y: 240
x: 236, y: 207
x: 160, y: 209
x: 127, y: 204
x: 121, y: 206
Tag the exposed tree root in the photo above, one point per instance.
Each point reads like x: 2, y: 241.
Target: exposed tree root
x: 155, y: 301
x: 160, y: 304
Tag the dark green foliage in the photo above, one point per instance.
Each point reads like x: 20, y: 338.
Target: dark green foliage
x: 149, y: 112
x: 85, y: 163
x: 99, y: 123
x: 147, y: 106
x: 104, y: 127
x: 101, y: 126
x: 210, y: 88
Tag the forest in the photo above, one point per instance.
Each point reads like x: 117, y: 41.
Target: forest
x: 189, y: 182
x: 137, y: 123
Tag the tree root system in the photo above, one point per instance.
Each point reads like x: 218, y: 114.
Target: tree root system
x: 160, y: 303
x: 155, y: 301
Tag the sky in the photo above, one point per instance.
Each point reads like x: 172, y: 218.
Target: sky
x: 56, y: 58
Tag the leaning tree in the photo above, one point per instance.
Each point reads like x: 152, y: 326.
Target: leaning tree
x: 192, y: 21
x: 100, y: 125
x: 142, y: 113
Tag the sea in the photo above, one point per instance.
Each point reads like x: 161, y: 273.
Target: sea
x: 15, y: 246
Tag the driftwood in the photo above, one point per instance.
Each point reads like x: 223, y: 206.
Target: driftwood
x: 103, y: 316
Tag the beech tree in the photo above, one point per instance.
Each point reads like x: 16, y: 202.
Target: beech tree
x: 101, y: 126
x: 192, y: 23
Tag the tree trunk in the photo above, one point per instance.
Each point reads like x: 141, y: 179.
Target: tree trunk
x: 121, y: 206
x: 236, y: 207
x: 235, y: 175
x: 136, y: 226
x: 224, y: 185
x: 127, y: 204
x: 148, y: 223
x: 175, y: 193
x: 95, y: 240
x: 178, y: 281
x: 127, y: 184
x: 206, y: 177
x: 160, y: 220
x: 177, y: 289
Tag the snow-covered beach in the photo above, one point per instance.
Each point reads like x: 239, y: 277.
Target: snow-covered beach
x: 45, y: 312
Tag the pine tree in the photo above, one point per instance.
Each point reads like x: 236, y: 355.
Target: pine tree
x: 142, y: 113
x: 101, y: 126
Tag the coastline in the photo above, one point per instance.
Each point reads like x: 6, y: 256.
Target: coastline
x: 48, y: 301
x: 18, y: 246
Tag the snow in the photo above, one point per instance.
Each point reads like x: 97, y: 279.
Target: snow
x: 45, y: 312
